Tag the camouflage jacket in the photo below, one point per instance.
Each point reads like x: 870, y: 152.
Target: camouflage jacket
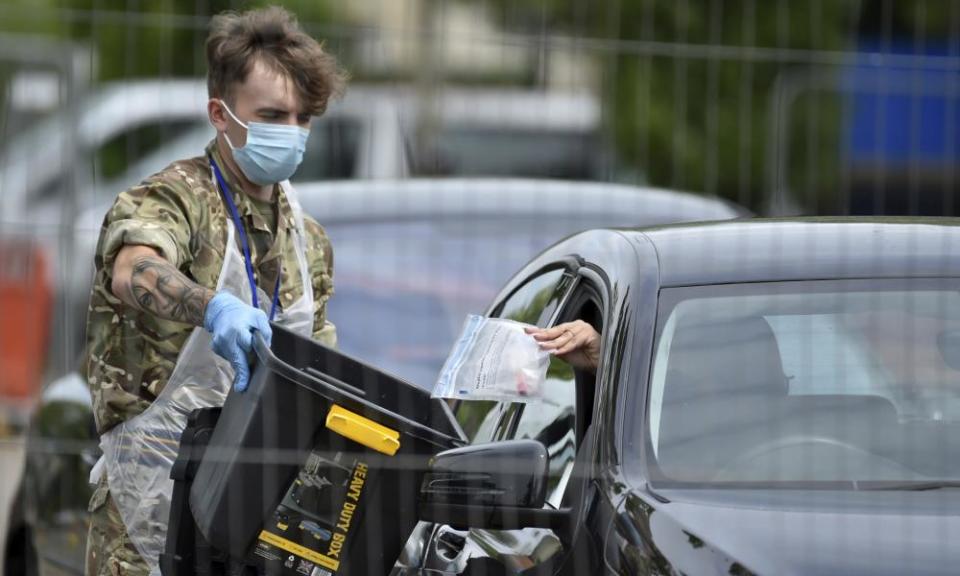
x: 181, y: 213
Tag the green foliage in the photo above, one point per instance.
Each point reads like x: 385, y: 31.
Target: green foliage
x: 701, y: 123
x: 560, y: 370
x: 471, y: 413
x: 136, y: 38
x: 61, y: 430
x: 919, y: 19
x: 699, y: 118
x: 530, y: 313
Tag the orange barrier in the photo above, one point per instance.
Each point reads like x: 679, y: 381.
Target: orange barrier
x: 25, y: 305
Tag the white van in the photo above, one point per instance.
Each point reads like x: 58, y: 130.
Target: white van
x: 125, y: 131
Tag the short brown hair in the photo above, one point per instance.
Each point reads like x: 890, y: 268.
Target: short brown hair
x: 273, y: 35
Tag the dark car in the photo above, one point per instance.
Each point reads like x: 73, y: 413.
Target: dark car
x: 773, y: 397
x: 413, y: 257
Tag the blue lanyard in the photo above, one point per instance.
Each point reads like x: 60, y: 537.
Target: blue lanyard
x: 247, y: 260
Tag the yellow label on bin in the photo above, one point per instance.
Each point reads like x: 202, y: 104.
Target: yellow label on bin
x: 302, y: 551
x: 363, y: 430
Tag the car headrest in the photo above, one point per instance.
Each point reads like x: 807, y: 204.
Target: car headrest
x: 730, y: 357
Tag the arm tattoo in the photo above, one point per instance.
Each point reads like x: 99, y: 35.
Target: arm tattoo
x: 157, y: 287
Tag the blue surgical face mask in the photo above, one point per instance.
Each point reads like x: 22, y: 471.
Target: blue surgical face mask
x: 272, y: 152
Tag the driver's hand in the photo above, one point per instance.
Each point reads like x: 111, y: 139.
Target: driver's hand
x: 576, y: 343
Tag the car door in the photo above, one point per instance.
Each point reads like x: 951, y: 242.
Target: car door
x: 541, y: 300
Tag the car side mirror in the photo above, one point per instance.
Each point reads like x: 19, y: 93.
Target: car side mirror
x: 501, y: 485
x: 509, y: 473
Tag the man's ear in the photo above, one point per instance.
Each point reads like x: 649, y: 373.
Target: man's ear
x: 216, y: 114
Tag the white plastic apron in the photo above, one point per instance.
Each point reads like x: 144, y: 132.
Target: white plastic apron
x: 139, y: 453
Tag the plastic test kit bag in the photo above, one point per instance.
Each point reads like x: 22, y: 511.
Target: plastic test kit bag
x: 493, y: 359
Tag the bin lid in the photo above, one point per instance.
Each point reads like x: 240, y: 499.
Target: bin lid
x: 398, y: 405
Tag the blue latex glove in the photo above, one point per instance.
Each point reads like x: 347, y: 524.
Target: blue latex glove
x: 232, y: 323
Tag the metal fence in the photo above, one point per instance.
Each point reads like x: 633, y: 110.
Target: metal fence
x: 783, y: 107
x: 786, y: 106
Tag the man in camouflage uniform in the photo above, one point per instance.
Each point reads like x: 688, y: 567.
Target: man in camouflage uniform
x: 164, y: 242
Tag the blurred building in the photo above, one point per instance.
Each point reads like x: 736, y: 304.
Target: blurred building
x: 462, y: 42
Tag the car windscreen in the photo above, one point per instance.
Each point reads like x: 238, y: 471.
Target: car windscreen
x: 331, y: 154
x: 332, y: 150
x: 475, y: 151
x: 824, y: 384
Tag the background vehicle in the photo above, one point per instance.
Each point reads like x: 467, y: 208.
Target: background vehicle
x: 412, y: 258
x: 124, y: 131
x: 792, y: 410
x: 57, y: 178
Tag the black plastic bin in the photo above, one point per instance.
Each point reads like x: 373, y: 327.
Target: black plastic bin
x: 315, y: 469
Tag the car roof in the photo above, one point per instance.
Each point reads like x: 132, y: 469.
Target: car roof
x: 499, y: 197
x: 770, y: 250
x: 448, y: 199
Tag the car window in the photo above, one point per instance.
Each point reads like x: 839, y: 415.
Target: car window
x: 533, y: 303
x: 536, y: 301
x: 332, y: 150
x: 474, y: 151
x: 112, y: 158
x: 552, y: 421
x: 839, y: 382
